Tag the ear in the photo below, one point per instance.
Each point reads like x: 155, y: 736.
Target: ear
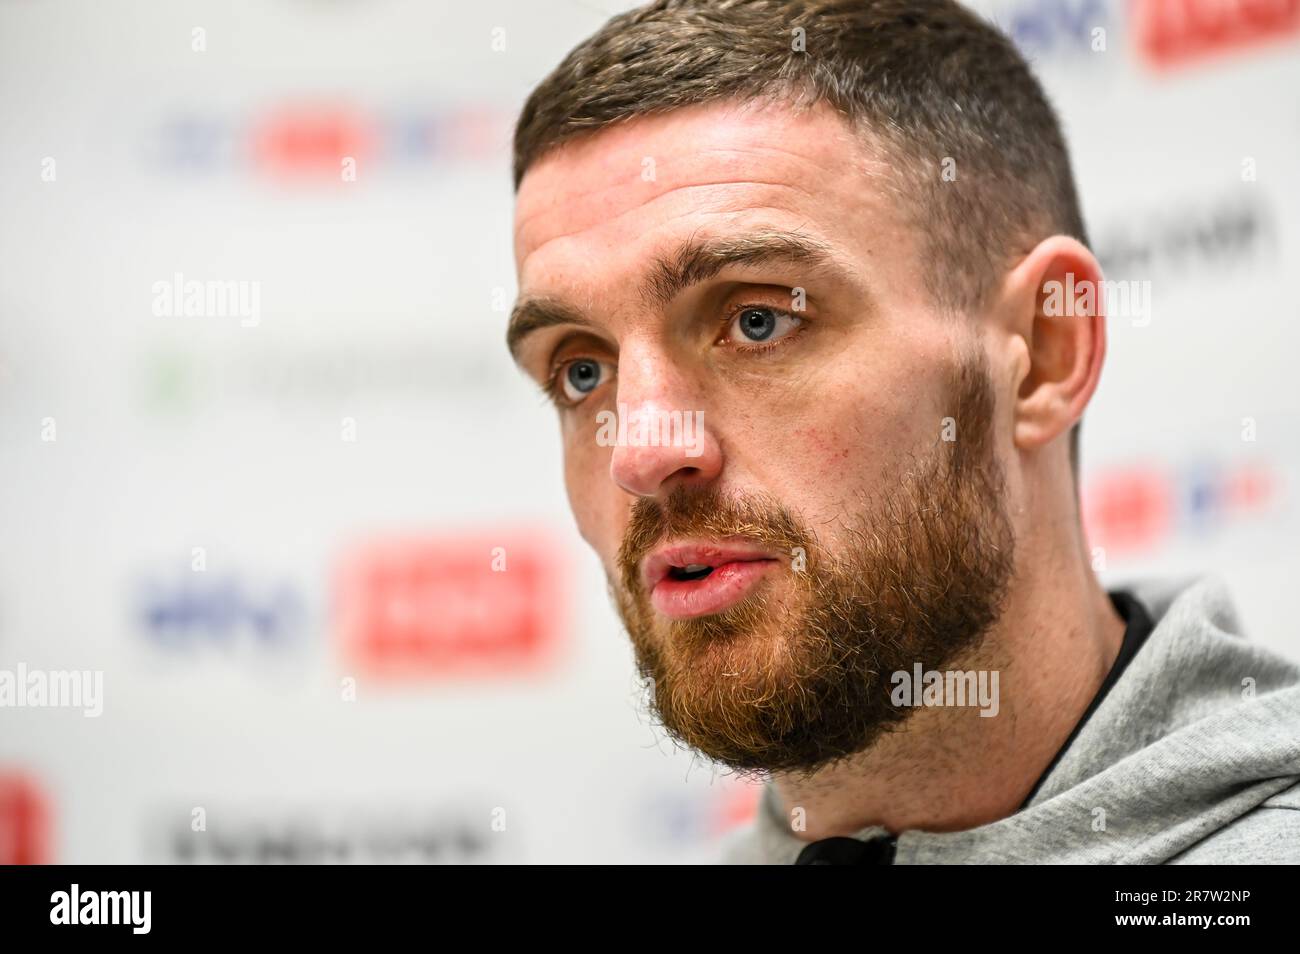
x: 1054, y: 301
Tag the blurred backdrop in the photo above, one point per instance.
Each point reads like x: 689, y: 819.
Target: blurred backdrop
x: 315, y: 539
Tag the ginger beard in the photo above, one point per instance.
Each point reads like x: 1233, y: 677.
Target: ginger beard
x: 797, y: 676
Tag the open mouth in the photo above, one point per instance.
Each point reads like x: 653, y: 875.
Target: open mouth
x: 696, y: 571
x: 700, y: 577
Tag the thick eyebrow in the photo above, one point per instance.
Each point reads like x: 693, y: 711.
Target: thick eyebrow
x: 693, y: 262
x: 534, y: 314
x: 698, y: 261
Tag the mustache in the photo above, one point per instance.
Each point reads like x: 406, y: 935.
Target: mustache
x: 709, y: 513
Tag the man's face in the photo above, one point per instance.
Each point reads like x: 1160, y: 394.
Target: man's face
x: 837, y: 516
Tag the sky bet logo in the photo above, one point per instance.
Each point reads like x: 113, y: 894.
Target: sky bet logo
x: 102, y: 907
x: 1163, y: 32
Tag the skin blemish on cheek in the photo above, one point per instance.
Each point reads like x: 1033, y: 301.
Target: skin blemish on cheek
x: 824, y: 445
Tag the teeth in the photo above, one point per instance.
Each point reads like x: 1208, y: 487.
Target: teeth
x: 696, y: 567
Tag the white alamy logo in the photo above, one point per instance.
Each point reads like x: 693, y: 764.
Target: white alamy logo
x: 57, y: 689
x: 1124, y: 299
x: 933, y: 687
x: 102, y: 907
x: 211, y: 299
x: 651, y: 429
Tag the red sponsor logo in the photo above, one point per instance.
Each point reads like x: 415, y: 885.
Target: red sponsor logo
x: 738, y: 805
x: 474, y: 604
x: 1174, y: 31
x: 1129, y: 509
x: 1142, y: 507
x: 24, y: 822
x: 311, y: 142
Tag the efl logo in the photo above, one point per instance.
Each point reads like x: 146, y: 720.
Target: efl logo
x: 482, y: 604
x: 24, y: 823
x: 1170, y: 32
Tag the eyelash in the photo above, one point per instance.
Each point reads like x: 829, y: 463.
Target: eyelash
x: 551, y: 389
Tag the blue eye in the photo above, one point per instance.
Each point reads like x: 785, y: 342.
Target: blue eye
x: 581, y: 377
x: 759, y: 323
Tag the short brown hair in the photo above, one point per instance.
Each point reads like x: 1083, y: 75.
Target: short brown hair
x: 933, y: 85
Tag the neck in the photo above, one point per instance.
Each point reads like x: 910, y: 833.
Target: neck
x: 949, y: 768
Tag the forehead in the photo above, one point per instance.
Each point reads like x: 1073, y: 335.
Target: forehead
x: 594, y: 207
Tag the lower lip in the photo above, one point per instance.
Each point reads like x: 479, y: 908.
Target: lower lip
x: 726, y: 586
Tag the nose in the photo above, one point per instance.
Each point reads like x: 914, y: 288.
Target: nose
x: 665, y: 435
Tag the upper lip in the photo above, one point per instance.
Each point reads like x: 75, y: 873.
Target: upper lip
x: 715, y: 553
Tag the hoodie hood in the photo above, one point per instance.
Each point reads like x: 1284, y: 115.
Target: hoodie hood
x: 1201, y: 729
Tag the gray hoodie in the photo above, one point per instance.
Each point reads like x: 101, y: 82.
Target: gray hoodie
x: 1192, y: 757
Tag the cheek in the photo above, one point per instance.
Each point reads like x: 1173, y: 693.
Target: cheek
x: 840, y: 453
x: 837, y: 456
x: 599, y: 508
x: 881, y: 413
